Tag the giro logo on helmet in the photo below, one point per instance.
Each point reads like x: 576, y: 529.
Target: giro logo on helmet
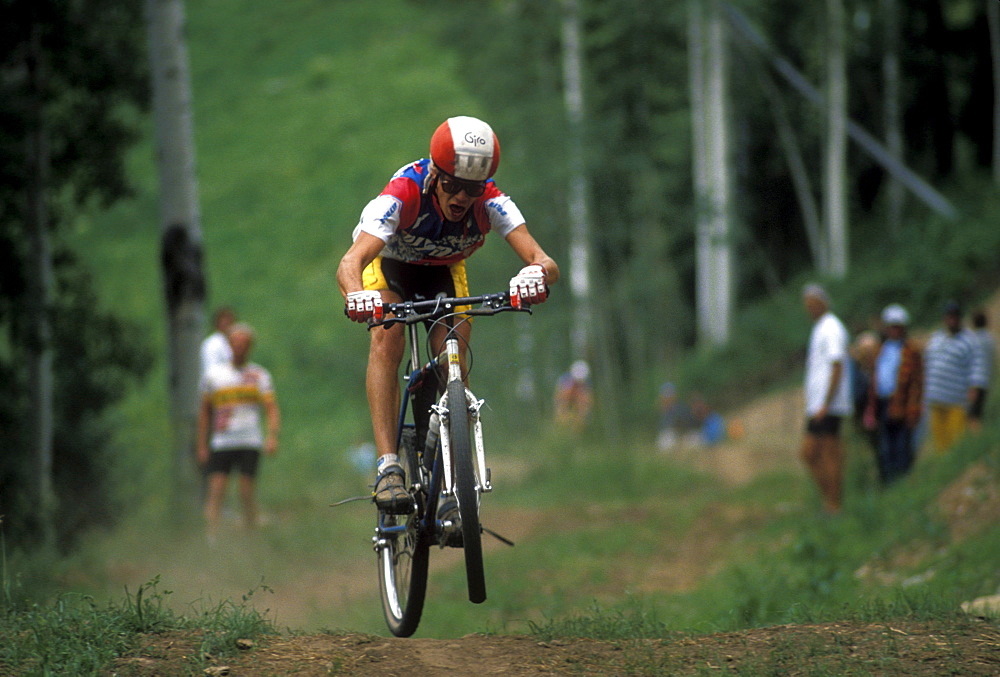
x: 466, y: 148
x: 474, y: 140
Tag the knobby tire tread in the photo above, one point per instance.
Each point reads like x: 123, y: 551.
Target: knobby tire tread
x: 465, y: 487
x: 406, y: 623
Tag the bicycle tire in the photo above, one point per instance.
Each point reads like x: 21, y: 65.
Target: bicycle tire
x: 403, y: 557
x: 465, y: 488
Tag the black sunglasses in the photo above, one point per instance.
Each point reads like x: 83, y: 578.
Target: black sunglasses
x: 452, y: 185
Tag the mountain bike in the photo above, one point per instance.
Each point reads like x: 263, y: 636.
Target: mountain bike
x: 440, y: 446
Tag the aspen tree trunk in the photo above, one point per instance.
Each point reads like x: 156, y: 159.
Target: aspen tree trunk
x: 181, y: 249
x: 835, y: 195
x: 41, y: 352
x: 579, y: 210
x: 710, y: 129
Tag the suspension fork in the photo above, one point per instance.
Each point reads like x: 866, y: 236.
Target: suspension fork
x: 471, y: 406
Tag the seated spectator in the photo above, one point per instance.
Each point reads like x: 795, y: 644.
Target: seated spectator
x: 675, y: 418
x: 710, y: 428
x: 574, y: 397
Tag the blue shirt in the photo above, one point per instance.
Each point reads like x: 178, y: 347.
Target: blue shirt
x: 887, y: 367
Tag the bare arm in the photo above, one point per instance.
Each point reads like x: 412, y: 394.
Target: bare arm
x: 362, y: 252
x: 273, y: 425
x: 204, y: 416
x: 529, y: 251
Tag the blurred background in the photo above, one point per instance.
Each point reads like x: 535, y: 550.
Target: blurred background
x: 689, y: 165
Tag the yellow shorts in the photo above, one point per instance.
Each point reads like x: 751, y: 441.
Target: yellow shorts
x: 410, y: 280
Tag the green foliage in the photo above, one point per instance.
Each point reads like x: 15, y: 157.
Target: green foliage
x: 226, y: 622
x: 76, y: 636
x: 942, y: 260
x: 73, y: 81
x: 99, y: 356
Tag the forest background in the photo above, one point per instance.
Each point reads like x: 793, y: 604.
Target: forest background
x: 303, y: 109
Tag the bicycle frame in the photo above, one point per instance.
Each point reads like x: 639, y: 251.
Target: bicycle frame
x: 442, y: 478
x: 456, y: 472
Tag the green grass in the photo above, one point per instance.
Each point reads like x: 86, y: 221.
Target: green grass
x: 75, y: 635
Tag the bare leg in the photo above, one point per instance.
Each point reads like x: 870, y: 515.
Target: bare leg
x: 382, y: 381
x: 213, y: 502
x: 832, y: 456
x: 822, y: 456
x: 249, y: 501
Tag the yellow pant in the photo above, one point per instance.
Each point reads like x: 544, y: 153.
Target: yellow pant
x: 947, y: 425
x: 374, y: 280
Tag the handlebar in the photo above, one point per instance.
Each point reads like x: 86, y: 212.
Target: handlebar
x: 411, y: 312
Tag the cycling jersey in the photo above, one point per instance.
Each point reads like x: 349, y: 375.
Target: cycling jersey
x: 406, y: 216
x: 237, y: 395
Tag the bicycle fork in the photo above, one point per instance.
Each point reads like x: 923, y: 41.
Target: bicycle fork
x: 439, y: 415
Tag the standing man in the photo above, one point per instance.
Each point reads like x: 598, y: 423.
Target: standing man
x: 895, y: 401
x: 229, y: 426
x: 954, y: 376
x: 412, y: 242
x: 827, y: 398
x: 215, y: 349
x: 988, y: 346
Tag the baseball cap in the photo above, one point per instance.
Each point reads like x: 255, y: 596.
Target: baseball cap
x: 895, y: 315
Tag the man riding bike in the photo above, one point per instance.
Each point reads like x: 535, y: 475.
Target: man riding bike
x: 411, y: 243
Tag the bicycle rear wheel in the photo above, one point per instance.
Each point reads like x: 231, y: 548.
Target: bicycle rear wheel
x: 465, y: 488
x: 403, y: 554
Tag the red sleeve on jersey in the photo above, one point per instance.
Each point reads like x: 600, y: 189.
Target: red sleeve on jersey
x: 407, y: 192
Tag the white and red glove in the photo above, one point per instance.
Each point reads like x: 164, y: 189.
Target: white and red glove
x: 364, y: 305
x: 528, y: 286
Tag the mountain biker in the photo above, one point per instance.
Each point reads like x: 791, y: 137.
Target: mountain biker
x: 412, y: 242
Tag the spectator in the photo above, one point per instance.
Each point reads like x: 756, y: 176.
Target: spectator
x: 895, y: 403
x: 863, y: 352
x: 674, y: 418
x: 574, y: 397
x: 215, y: 349
x: 827, y: 398
x: 710, y: 428
x: 987, y: 346
x: 229, y: 426
x: 953, y: 375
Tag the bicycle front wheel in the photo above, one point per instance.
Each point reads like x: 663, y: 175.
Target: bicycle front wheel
x: 465, y: 488
x: 403, y: 552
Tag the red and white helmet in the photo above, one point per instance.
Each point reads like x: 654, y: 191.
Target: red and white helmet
x: 466, y: 148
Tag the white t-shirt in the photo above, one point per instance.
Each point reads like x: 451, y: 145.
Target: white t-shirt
x: 237, y: 397
x: 827, y: 345
x: 215, y: 349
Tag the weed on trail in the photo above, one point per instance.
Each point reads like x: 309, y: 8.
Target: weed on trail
x: 75, y: 636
